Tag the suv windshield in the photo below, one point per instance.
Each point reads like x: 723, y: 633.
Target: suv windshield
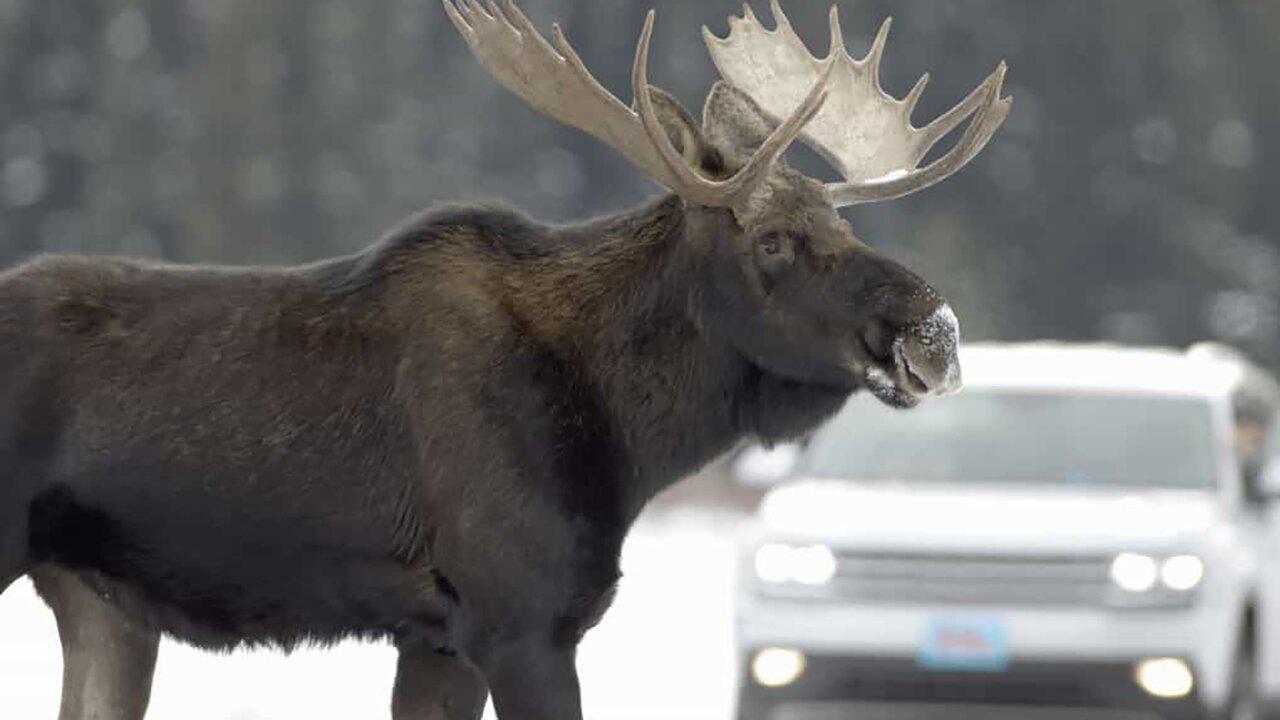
x: 1041, y: 437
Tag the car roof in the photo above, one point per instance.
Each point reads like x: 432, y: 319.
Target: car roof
x: 1101, y: 368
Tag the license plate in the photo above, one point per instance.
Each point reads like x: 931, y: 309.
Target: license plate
x: 964, y: 643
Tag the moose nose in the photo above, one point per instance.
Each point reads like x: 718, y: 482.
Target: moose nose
x: 927, y: 353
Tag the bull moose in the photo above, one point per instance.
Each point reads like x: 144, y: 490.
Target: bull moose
x: 443, y: 439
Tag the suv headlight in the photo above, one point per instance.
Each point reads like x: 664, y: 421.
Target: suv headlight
x: 1182, y: 572
x: 1135, y: 573
x: 806, y: 565
x: 1156, y: 579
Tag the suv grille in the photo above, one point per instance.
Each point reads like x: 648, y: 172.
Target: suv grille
x: 1016, y: 580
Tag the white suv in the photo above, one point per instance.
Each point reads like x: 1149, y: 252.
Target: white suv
x: 1081, y: 527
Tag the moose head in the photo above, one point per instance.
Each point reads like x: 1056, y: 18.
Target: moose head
x: 786, y: 278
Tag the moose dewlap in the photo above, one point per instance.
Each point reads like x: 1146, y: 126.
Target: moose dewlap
x: 443, y: 439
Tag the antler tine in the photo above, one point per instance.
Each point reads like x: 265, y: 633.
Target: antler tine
x: 913, y: 97
x: 937, y: 129
x: 837, y: 35
x: 497, y: 11
x: 991, y: 112
x: 872, y: 60
x: 472, y: 6
x: 779, y: 18
x: 525, y: 29
x: 551, y: 77
x: 464, y: 27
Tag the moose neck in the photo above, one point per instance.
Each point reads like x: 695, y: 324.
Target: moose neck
x: 676, y: 390
x: 617, y: 306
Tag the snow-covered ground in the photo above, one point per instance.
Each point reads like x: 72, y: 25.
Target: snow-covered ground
x: 663, y: 651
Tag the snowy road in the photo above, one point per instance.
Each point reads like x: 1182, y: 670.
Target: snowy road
x: 662, y: 652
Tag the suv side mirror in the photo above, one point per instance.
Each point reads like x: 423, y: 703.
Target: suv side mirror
x: 1268, y: 482
x: 758, y: 466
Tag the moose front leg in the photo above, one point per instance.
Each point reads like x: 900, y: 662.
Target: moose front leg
x: 533, y: 681
x: 107, y: 658
x: 431, y: 685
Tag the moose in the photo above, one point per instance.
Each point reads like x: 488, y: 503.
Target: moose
x: 442, y: 440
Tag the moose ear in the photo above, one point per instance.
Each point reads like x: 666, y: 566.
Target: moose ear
x: 733, y: 122
x: 685, y: 133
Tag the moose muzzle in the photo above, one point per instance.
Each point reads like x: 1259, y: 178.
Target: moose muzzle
x: 924, y: 362
x: 926, y: 354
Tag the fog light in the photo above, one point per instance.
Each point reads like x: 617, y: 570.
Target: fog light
x: 1135, y: 573
x: 776, y: 667
x: 1164, y: 677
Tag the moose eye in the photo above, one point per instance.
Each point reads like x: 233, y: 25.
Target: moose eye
x: 775, y: 251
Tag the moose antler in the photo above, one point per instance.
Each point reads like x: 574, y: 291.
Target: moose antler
x: 555, y: 81
x: 862, y: 130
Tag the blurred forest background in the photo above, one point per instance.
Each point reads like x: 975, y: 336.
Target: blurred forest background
x: 1133, y: 194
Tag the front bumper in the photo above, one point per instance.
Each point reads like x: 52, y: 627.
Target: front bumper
x: 1036, y: 636
x: 831, y: 684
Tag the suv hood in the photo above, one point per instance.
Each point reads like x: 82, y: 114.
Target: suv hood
x: 973, y: 516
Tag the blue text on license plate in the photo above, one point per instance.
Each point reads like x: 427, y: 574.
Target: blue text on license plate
x: 976, y: 643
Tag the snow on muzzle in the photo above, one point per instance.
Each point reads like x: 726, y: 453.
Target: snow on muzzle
x: 926, y: 355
